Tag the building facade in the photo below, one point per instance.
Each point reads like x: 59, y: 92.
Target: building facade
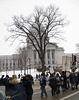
x: 53, y: 56
x: 8, y: 63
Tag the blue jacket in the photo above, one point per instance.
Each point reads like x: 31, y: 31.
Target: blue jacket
x: 43, y: 81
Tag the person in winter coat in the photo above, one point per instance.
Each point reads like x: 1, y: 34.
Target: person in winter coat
x: 64, y: 81
x: 2, y: 80
x: 53, y: 84
x: 27, y: 83
x: 58, y: 83
x: 43, y: 84
x: 72, y: 80
x: 77, y: 80
x: 68, y: 79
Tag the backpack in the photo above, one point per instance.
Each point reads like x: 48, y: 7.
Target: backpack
x: 43, y: 81
x: 59, y: 82
x: 52, y: 81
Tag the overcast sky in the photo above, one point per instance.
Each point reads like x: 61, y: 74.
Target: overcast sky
x: 69, y: 8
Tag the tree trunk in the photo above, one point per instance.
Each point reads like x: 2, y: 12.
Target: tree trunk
x: 43, y: 67
x: 43, y: 64
x: 24, y: 67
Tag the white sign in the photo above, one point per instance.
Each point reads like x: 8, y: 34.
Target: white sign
x: 66, y: 63
x: 51, y: 70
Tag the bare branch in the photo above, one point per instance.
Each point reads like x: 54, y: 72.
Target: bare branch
x: 38, y: 29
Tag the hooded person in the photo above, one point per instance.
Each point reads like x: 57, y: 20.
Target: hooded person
x: 27, y: 83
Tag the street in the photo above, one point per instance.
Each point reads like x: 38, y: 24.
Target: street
x: 67, y: 95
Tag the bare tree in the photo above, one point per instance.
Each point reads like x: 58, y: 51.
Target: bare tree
x: 22, y: 58
x: 38, y: 29
x: 20, y: 62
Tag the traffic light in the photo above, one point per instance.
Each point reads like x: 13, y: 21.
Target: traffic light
x: 74, y: 60
x: 74, y: 63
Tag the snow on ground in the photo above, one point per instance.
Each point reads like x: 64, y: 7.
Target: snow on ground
x: 33, y: 72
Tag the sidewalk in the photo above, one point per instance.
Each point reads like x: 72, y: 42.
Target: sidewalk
x: 37, y: 91
x: 36, y: 86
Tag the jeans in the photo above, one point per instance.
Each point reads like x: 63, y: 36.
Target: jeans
x: 43, y: 91
x: 53, y: 90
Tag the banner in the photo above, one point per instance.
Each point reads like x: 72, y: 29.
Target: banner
x: 51, y: 70
x: 66, y: 63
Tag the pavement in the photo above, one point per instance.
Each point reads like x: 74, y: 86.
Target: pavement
x: 36, y: 86
x: 66, y: 94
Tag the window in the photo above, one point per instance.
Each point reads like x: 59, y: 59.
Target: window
x: 48, y: 54
x: 10, y: 64
x: 13, y: 63
x: 3, y: 63
x: 6, y: 64
x: 52, y: 62
x: 52, y: 54
x: 48, y: 62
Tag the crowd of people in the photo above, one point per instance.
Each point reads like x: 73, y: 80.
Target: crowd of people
x: 56, y: 81
x: 26, y: 81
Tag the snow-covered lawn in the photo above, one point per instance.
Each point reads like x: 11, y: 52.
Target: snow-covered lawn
x: 33, y: 72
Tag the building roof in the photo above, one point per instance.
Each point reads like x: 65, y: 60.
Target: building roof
x: 55, y: 44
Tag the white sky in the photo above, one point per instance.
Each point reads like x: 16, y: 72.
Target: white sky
x: 69, y: 8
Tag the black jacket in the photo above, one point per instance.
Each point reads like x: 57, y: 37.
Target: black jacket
x: 52, y: 82
x: 28, y: 86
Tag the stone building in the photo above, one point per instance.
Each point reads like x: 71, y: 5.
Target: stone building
x: 53, y: 57
x: 8, y: 63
